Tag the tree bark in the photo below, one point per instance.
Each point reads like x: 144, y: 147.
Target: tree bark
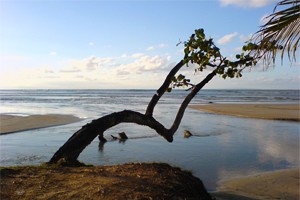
x: 83, y: 137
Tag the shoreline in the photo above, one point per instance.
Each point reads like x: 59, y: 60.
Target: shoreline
x: 279, y: 184
x: 288, y: 112
x: 12, y: 123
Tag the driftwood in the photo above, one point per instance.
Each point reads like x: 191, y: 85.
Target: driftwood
x: 114, y: 137
x: 123, y: 136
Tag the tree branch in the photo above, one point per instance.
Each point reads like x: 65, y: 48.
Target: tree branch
x: 188, y: 99
x: 162, y: 89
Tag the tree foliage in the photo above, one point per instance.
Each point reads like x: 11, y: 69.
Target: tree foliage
x: 202, y: 53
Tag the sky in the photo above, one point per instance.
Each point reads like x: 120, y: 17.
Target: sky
x: 126, y: 44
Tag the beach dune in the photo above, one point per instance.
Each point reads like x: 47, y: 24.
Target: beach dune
x: 12, y: 123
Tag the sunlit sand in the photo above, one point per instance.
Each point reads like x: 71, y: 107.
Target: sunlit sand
x: 12, y: 123
x: 261, y: 111
x: 283, y: 184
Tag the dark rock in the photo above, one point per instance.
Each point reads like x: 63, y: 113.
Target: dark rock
x: 187, y: 134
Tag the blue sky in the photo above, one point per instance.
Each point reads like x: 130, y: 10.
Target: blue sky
x: 103, y: 44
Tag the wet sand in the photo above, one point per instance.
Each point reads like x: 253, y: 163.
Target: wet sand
x: 12, y: 123
x: 283, y: 184
x: 290, y: 112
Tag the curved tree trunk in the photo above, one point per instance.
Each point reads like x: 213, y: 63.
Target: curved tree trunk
x: 83, y: 137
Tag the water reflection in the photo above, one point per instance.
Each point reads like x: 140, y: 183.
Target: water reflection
x: 278, y: 148
x: 268, y: 145
x: 102, y: 143
x: 101, y: 146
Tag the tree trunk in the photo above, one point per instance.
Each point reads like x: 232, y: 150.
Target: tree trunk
x: 83, y: 137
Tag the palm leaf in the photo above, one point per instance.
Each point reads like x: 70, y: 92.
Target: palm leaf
x: 282, y: 31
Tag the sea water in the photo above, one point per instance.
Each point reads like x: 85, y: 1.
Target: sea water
x: 223, y: 147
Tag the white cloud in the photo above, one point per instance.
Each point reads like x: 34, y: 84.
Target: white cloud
x: 227, y: 38
x: 53, y: 53
x: 160, y: 46
x: 124, y: 71
x: 137, y: 55
x: 247, y: 3
x: 47, y: 71
x: 92, y: 63
x: 124, y: 55
x: 89, y: 64
x: 141, y: 64
x: 150, y: 48
x: 91, y: 43
x: 135, y: 71
x: 71, y: 70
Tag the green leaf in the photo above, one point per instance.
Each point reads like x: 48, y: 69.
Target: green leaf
x: 186, y: 50
x: 174, y: 79
x: 186, y: 60
x: 180, y: 77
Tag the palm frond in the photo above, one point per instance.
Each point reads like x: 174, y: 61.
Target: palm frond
x: 281, y: 32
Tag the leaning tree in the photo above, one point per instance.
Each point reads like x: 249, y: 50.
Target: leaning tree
x: 281, y: 32
x: 200, y: 53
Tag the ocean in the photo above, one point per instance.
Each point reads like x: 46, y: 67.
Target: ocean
x: 223, y: 147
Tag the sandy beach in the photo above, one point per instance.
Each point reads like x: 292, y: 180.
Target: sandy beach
x: 12, y: 123
x: 282, y: 184
x: 289, y: 112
